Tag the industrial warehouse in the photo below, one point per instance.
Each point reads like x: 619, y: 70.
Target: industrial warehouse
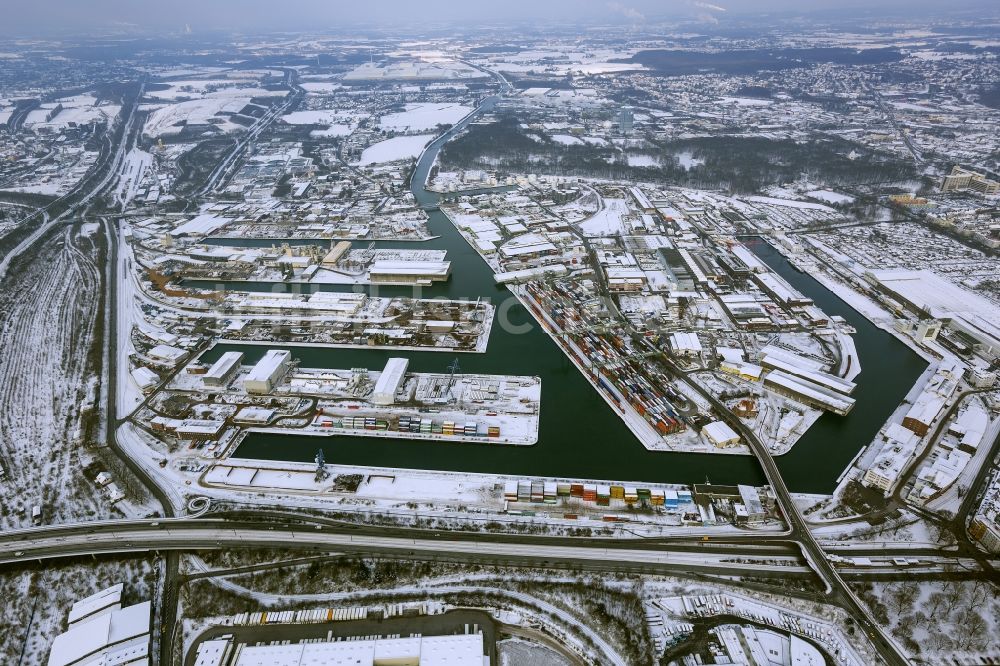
x: 229, y: 398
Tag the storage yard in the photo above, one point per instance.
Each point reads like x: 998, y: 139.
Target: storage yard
x: 208, y: 409
x: 482, y: 498
x: 691, y: 297
x: 303, y: 264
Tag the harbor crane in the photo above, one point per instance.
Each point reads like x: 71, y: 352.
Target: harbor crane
x: 452, y: 370
x: 321, y: 472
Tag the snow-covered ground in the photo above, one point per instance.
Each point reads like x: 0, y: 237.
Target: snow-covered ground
x: 172, y: 118
x: 414, y: 70
x: 396, y: 148
x: 75, y: 110
x: 830, y: 197
x: 609, y: 220
x: 424, y: 116
x: 46, y: 329
x: 37, y: 600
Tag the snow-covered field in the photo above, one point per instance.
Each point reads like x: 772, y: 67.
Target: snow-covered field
x: 745, y: 101
x: 830, y: 196
x: 640, y: 160
x: 319, y: 117
x: 567, y: 139
x: 397, y: 148
x: 608, y: 221
x: 172, y: 118
x: 789, y: 203
x: 78, y: 110
x: 413, y: 70
x: 424, y: 116
x: 320, y: 87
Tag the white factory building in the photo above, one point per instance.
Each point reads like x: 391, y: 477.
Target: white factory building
x: 223, y: 370
x: 390, y: 381
x: 409, y: 272
x: 455, y: 650
x: 685, y: 344
x: 720, y: 435
x: 824, y: 379
x: 102, y: 633
x: 808, y: 392
x: 269, y: 370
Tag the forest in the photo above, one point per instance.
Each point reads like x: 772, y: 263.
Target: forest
x: 732, y: 164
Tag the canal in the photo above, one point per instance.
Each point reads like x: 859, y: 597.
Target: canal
x: 580, y: 436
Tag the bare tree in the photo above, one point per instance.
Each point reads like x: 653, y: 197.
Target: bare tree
x: 974, y: 629
x: 903, y: 596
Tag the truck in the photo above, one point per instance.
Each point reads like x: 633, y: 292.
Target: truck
x: 36, y: 515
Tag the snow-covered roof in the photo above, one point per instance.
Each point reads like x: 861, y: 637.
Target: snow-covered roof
x: 457, y: 650
x: 123, y: 633
x: 720, y: 433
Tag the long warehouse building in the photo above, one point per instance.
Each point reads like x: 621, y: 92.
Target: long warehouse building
x: 454, y: 650
x: 824, y: 379
x: 409, y: 272
x: 808, y: 392
x: 223, y: 370
x: 390, y: 381
x: 269, y: 370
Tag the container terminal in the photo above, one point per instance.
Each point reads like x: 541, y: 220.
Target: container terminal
x: 656, y: 308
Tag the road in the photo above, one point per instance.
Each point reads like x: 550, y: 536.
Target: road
x: 838, y: 591
x: 886, y: 109
x: 632, y: 556
x: 230, y: 163
x: 90, y: 187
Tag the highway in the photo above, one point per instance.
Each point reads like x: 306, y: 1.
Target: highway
x: 90, y: 187
x: 838, y: 591
x: 610, y: 555
x: 229, y: 164
x: 886, y: 109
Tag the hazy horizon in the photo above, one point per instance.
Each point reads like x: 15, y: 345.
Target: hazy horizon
x: 70, y: 16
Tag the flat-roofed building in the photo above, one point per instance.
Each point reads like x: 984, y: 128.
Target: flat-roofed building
x: 964, y: 179
x: 454, y: 650
x: 626, y: 278
x: 222, y: 370
x: 824, y: 379
x: 199, y: 428
x: 167, y: 354
x: 107, y: 600
x: 335, y: 254
x: 408, y: 272
x: 102, y: 632
x: 720, y: 435
x: 985, y: 529
x: 897, y: 446
x: 527, y: 246
x: 390, y: 381
x: 781, y: 291
x: 754, y: 511
x: 685, y: 344
x: 808, y: 392
x: 269, y: 370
